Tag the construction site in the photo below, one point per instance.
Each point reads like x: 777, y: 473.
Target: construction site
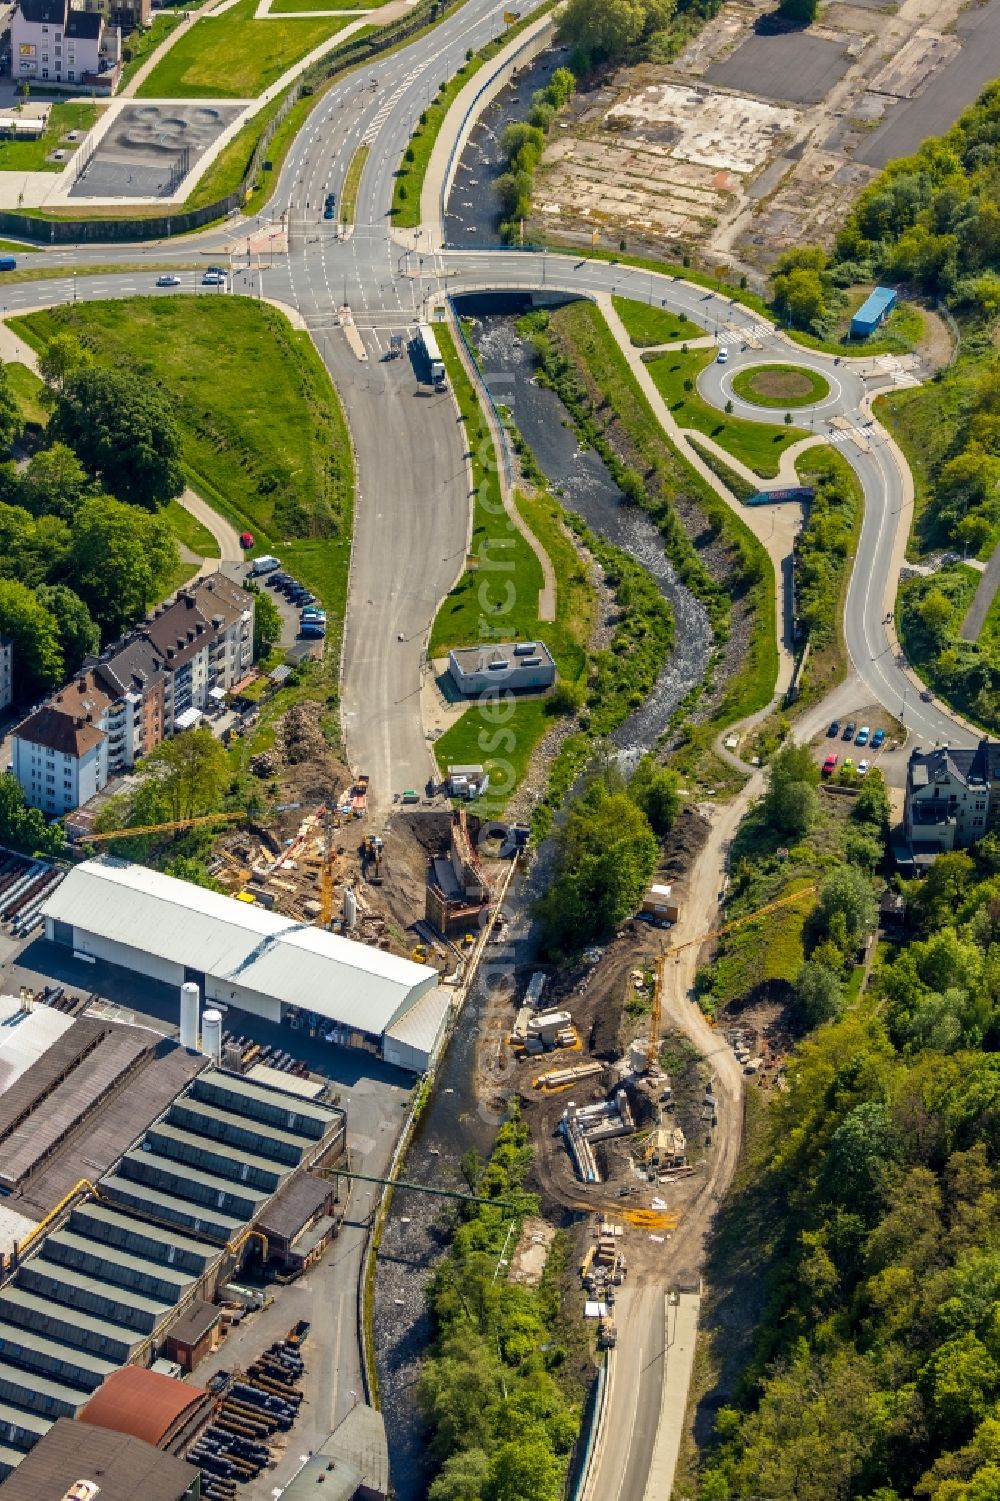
x: 756, y: 139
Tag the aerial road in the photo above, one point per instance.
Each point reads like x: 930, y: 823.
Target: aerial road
x: 413, y: 504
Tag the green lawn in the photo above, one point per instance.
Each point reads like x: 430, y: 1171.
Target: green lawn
x: 349, y: 195
x: 495, y: 541
x: 647, y: 324
x: 32, y: 156
x: 142, y: 44
x: 189, y: 530
x: 459, y: 619
x: 233, y: 56
x: 289, y: 7
x: 782, y: 386
x: 264, y: 437
x: 27, y: 389
x: 759, y: 445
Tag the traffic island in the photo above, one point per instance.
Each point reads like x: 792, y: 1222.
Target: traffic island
x: 780, y: 386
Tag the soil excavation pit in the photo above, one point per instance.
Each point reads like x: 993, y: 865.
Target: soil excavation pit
x: 149, y: 149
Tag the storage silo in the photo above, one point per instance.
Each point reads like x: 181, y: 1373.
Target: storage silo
x: 190, y: 1006
x: 211, y: 1035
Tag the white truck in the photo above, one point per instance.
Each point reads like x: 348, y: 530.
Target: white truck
x: 432, y: 354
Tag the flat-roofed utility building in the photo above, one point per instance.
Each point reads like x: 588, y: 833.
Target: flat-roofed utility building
x: 513, y: 666
x: 248, y: 959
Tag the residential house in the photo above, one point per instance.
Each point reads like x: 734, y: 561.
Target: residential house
x: 128, y: 14
x: 157, y: 680
x: 59, y: 754
x: 952, y: 798
x: 54, y: 44
x: 6, y: 672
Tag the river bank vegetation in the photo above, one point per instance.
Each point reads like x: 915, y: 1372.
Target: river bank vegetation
x: 502, y: 1409
x: 729, y: 570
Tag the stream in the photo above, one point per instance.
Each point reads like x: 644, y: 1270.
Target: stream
x: 416, y: 1231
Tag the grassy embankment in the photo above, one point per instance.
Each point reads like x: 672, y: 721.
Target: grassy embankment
x: 233, y: 56
x: 647, y: 324
x: 497, y: 543
x: 759, y: 445
x: 349, y: 196
x: 143, y: 43
x: 33, y: 156
x: 596, y: 690
x: 272, y: 455
x: 583, y: 362
x: 413, y: 168
x: 781, y: 386
x: 28, y: 390
x: 826, y: 551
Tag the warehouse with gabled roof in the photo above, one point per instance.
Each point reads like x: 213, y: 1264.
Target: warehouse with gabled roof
x: 248, y: 959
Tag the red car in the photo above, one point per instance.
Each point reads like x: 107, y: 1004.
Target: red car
x: 830, y: 765
x: 246, y: 539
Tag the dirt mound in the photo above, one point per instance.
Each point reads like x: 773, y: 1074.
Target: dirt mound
x: 301, y: 736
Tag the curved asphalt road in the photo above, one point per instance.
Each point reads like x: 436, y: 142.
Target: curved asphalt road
x: 413, y: 504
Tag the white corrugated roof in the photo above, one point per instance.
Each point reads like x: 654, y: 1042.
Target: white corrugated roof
x: 346, y: 982
x: 420, y: 1026
x: 25, y: 1036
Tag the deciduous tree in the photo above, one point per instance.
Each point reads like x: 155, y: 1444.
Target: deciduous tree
x: 122, y: 429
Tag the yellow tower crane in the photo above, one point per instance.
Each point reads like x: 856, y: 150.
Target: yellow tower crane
x: 653, y: 1046
x: 326, y: 875
x: 159, y: 828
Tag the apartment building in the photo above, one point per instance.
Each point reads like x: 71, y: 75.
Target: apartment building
x: 60, y: 753
x: 53, y: 43
x: 952, y: 797
x: 156, y: 681
x: 6, y: 672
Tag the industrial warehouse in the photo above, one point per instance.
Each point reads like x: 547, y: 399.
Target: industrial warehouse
x: 244, y: 958
x: 140, y: 1179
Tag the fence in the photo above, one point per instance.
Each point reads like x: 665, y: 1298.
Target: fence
x: 162, y: 226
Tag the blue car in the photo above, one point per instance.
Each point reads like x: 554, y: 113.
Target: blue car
x: 878, y: 738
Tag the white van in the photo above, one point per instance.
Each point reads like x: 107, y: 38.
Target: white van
x: 265, y: 564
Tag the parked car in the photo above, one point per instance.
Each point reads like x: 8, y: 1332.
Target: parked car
x: 863, y: 768
x: 318, y: 616
x: 848, y: 764
x: 277, y: 581
x: 246, y: 539
x: 878, y: 738
x: 849, y: 729
x: 834, y: 730
x: 312, y: 629
x: 264, y: 564
x: 864, y: 735
x: 830, y: 765
x: 168, y: 281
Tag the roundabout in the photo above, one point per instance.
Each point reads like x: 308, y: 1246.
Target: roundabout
x: 780, y: 385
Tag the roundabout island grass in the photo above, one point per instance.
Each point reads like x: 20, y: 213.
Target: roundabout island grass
x: 780, y: 386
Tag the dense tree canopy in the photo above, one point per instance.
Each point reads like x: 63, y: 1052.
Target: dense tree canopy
x: 34, y: 631
x: 120, y: 557
x: 606, y: 855
x: 121, y: 428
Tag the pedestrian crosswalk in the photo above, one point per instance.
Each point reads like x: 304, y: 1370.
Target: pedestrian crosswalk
x: 749, y: 333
